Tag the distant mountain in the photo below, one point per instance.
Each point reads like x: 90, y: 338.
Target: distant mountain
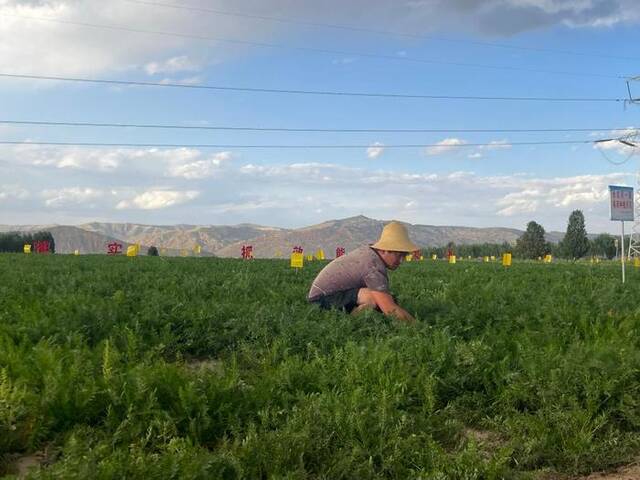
x: 177, y: 237
x: 227, y: 240
x: 355, y: 231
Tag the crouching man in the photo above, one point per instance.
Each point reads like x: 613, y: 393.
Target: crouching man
x: 358, y: 280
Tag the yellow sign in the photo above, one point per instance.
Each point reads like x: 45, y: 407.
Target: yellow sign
x: 493, y: 258
x: 297, y: 260
x: 506, y: 259
x: 197, y: 249
x: 309, y: 258
x: 636, y: 261
x: 184, y: 252
x: 408, y: 258
x: 485, y: 259
x: 76, y: 252
x: 548, y: 258
x: 452, y: 259
x: 320, y: 254
x: 132, y: 250
x: 434, y: 256
x: 27, y: 248
x: 421, y: 257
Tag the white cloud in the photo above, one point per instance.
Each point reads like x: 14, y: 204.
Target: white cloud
x: 558, y: 193
x: 474, y: 155
x: 173, y: 65
x: 71, y: 196
x: 8, y: 192
x: 445, y: 145
x: 187, y: 163
x: 37, y: 39
x: 157, y: 199
x: 497, y: 145
x: 287, y: 193
x: 196, y: 80
x: 618, y: 147
x: 375, y: 150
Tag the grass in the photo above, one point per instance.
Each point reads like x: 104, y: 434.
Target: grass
x: 217, y: 368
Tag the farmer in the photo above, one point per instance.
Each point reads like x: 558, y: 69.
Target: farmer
x: 358, y: 280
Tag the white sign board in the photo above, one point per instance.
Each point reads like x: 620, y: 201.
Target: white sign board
x: 621, y: 203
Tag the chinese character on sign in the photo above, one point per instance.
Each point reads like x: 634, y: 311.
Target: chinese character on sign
x: 340, y: 251
x: 621, y: 203
x: 246, y: 252
x: 114, y: 248
x: 41, y: 246
x: 298, y: 249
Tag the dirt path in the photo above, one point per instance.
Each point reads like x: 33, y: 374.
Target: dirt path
x: 630, y: 472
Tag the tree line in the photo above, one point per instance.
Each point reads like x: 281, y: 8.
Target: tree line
x: 533, y: 245
x: 14, y: 242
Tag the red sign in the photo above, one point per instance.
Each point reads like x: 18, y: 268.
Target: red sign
x: 41, y: 246
x: 246, y: 252
x: 114, y: 248
x: 340, y: 251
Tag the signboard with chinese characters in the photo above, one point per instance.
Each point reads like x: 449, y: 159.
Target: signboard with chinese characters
x: 621, y: 203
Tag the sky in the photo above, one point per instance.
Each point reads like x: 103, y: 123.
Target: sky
x: 566, y: 61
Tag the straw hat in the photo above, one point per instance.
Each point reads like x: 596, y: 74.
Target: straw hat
x: 395, y: 238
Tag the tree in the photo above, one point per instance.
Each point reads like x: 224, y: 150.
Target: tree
x: 604, y: 245
x: 153, y: 251
x: 532, y: 243
x: 575, y: 243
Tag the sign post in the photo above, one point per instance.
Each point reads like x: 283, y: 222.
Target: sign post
x: 621, y: 202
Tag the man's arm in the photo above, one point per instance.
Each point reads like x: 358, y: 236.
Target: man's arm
x: 387, y: 304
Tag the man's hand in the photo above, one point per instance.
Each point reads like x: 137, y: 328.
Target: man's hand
x: 387, y: 304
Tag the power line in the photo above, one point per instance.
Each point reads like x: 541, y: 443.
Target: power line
x: 313, y: 130
x: 283, y: 147
x: 378, y: 32
x: 310, y: 92
x: 314, y: 50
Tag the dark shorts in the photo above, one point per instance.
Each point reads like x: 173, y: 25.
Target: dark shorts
x: 345, y: 300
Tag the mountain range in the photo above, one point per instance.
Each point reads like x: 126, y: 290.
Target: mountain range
x: 267, y: 242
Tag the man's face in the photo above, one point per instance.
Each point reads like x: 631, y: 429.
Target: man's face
x: 391, y: 258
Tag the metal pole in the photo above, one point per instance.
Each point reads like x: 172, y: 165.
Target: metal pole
x: 622, y: 252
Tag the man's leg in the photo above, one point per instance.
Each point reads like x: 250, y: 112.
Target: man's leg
x: 365, y: 301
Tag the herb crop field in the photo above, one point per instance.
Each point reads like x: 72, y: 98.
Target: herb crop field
x: 165, y: 368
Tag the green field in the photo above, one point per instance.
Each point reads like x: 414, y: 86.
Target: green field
x: 216, y: 368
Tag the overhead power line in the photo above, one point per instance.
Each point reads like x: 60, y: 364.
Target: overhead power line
x: 352, y: 28
x: 310, y: 92
x: 314, y: 50
x: 312, y: 130
x: 283, y: 147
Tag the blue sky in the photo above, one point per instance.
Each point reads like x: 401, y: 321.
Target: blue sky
x: 593, y: 41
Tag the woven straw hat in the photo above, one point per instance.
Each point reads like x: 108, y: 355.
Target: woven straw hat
x: 395, y: 238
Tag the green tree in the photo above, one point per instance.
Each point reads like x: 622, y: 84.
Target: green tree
x: 532, y: 243
x: 604, y: 245
x: 153, y: 251
x: 575, y: 243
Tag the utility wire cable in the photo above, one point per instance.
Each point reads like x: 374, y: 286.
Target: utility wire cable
x: 378, y: 32
x: 316, y: 50
x: 283, y: 147
x: 312, y: 130
x: 310, y: 92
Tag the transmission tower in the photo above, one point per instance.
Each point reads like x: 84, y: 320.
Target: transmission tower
x: 632, y: 142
